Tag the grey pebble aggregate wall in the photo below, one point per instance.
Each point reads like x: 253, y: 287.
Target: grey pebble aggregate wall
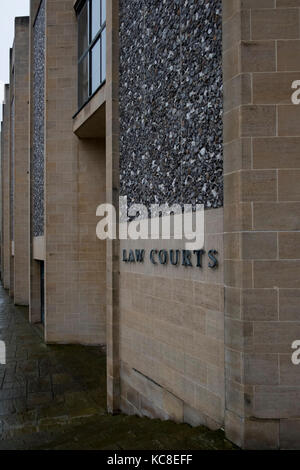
x: 171, y: 102
x: 38, y: 122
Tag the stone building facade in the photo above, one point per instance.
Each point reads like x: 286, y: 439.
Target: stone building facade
x: 162, y: 101
x: 15, y: 188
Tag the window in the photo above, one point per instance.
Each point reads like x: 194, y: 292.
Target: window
x: 91, y: 16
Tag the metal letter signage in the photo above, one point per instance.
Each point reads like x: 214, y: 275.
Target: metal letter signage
x: 186, y: 258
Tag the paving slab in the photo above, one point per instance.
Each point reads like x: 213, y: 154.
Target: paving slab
x: 54, y: 397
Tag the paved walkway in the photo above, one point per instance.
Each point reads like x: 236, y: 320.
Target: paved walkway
x: 54, y: 397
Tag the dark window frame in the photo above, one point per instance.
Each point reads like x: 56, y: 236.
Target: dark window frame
x: 88, y: 51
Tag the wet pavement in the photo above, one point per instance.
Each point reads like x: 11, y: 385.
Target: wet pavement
x: 54, y: 397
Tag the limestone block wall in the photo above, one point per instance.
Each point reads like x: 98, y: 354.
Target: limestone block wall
x: 20, y: 151
x: 37, y: 148
x: 92, y: 251
x: 11, y: 168
x: 171, y: 131
x: 261, y: 213
x: 172, y: 333
x: 112, y: 197
x: 74, y: 185
x: 12, y: 154
x: 5, y: 190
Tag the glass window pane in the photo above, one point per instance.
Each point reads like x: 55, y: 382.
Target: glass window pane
x: 83, y: 33
x: 96, y: 66
x: 103, y: 54
x: 103, y: 17
x: 95, y: 17
x: 83, y: 80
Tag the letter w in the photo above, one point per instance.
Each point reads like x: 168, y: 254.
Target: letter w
x: 140, y: 255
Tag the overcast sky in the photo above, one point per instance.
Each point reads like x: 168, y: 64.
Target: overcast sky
x: 9, y: 9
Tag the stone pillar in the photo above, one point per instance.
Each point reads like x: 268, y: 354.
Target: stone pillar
x: 261, y: 45
x: 11, y: 169
x: 5, y: 191
x: 112, y: 197
x: 74, y: 186
x: 21, y: 142
x: 36, y: 142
